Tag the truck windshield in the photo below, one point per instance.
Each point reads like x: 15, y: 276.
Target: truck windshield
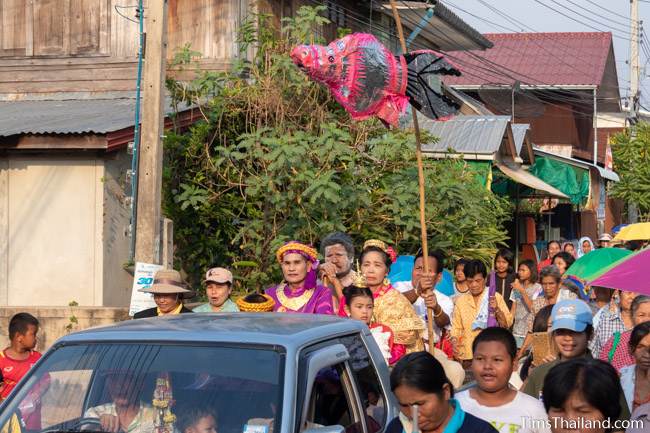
x: 150, y: 388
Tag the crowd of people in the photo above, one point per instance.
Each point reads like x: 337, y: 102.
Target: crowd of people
x: 531, y: 345
x: 545, y: 324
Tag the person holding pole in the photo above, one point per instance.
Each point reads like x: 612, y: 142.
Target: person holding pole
x: 422, y: 293
x: 472, y: 312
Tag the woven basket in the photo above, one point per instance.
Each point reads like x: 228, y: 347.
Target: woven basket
x: 254, y: 307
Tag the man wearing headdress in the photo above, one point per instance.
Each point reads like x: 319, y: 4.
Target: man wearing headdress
x: 299, y: 292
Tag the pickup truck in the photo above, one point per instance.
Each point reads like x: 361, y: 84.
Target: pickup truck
x: 254, y: 373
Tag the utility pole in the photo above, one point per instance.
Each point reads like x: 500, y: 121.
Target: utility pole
x: 634, y: 58
x: 634, y: 85
x: 148, y: 221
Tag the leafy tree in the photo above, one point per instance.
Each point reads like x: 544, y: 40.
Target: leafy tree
x: 275, y: 158
x: 632, y: 163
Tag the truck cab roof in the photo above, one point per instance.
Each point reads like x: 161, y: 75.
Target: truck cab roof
x: 288, y: 330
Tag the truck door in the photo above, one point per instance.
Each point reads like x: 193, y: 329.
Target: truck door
x: 328, y: 396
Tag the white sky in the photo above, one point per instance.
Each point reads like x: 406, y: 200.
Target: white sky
x: 541, y: 19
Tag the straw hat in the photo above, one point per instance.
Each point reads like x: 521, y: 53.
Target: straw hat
x: 168, y: 282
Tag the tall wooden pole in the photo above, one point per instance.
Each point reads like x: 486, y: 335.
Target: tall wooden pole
x: 148, y: 221
x: 633, y: 210
x: 418, y: 154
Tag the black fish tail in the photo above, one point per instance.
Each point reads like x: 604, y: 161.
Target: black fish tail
x: 424, y: 87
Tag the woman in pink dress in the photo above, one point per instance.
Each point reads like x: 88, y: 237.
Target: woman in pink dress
x: 299, y: 292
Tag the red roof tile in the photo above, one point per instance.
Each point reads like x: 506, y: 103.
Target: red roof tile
x: 535, y: 58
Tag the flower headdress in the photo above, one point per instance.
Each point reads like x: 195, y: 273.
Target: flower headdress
x: 308, y: 252
x: 382, y: 246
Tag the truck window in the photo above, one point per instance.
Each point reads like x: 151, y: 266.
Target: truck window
x: 365, y: 375
x: 332, y: 401
x: 78, y: 385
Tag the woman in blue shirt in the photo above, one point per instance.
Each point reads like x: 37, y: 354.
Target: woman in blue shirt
x: 420, y: 386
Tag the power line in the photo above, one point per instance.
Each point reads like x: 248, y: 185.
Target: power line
x: 580, y: 98
x: 572, y: 52
x: 608, y: 10
x: 575, y: 19
x: 625, y: 25
x: 504, y: 15
x: 490, y: 70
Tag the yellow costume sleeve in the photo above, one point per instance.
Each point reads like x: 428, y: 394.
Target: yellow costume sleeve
x: 12, y: 426
x: 395, y: 311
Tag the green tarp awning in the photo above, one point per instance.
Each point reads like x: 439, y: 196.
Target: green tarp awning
x: 572, y: 181
x: 482, y: 171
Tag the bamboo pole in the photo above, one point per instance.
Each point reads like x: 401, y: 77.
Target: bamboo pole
x: 418, y: 154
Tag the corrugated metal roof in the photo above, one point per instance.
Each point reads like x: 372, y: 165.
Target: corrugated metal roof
x: 577, y: 58
x: 446, y: 30
x: 519, y: 133
x: 67, y: 117
x: 466, y: 134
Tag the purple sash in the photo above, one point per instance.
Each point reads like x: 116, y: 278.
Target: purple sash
x: 492, y: 320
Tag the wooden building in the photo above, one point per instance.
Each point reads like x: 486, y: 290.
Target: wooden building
x: 67, y: 86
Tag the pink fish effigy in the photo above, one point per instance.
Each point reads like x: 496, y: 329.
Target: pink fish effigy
x: 368, y: 80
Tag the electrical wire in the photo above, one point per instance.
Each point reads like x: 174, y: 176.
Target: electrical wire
x: 480, y: 18
x: 620, y: 88
x: 486, y: 72
x: 575, y: 19
x: 644, y: 46
x: 624, y: 25
x: 569, y: 50
x: 518, y: 75
x: 580, y: 97
x: 512, y: 20
x: 136, y: 131
x: 608, y: 10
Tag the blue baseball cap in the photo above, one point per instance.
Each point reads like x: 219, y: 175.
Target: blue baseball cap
x: 571, y: 314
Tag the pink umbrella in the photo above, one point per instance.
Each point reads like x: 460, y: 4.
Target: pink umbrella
x: 630, y: 274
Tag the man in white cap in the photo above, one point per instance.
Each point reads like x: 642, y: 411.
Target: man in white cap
x: 218, y: 286
x: 168, y: 291
x: 604, y: 240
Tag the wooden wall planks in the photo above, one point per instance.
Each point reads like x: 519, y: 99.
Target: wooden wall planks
x: 12, y: 29
x: 54, y: 45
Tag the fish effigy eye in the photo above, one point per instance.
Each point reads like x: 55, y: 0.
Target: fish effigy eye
x: 331, y: 59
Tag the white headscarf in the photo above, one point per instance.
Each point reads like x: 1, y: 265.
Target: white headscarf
x: 581, y: 241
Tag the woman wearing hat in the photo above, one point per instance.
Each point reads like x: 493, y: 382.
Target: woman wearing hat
x: 299, y: 292
x: 168, y: 291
